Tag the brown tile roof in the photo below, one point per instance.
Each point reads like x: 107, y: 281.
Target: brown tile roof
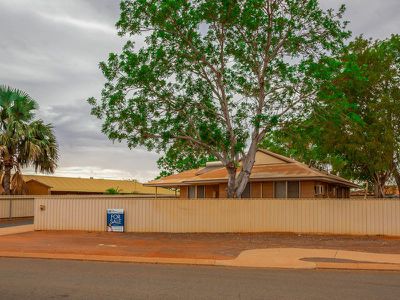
x: 284, y: 170
x: 174, y: 179
x: 88, y: 185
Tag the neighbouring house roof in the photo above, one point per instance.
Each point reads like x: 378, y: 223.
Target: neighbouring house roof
x: 391, y: 190
x: 38, y: 182
x: 268, y: 166
x: 90, y: 185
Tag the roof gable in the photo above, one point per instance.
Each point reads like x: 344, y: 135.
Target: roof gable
x: 38, y: 182
x: 268, y: 166
x: 265, y: 157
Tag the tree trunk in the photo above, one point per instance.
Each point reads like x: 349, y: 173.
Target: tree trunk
x: 396, y: 174
x: 231, y: 168
x: 377, y: 191
x: 247, y: 166
x: 379, y: 184
x: 7, y: 179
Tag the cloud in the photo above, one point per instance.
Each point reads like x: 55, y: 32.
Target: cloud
x: 67, y: 20
x: 373, y: 19
x: 52, y: 52
x: 83, y: 148
x: 51, y: 49
x: 99, y: 172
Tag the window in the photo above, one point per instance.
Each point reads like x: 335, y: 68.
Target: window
x: 340, y: 192
x: 280, y: 189
x: 319, y: 189
x: 246, y: 191
x: 287, y: 189
x: 201, y: 191
x: 192, y: 192
x: 293, y: 189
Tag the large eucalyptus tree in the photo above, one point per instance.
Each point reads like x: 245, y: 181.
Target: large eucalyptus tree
x: 24, y: 141
x: 214, y: 75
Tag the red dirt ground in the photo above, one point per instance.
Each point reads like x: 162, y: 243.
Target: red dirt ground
x: 212, y: 246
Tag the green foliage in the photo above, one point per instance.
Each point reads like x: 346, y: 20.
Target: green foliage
x: 296, y: 140
x: 112, y: 191
x: 178, y: 159
x: 24, y: 141
x: 214, y: 75
x: 356, y: 127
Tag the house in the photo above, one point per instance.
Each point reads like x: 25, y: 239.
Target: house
x: 273, y: 176
x: 52, y: 185
x: 391, y: 190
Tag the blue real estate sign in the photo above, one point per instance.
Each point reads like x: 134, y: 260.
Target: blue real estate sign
x: 115, y: 219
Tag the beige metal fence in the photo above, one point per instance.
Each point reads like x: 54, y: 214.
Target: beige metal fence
x: 16, y: 206
x: 337, y: 216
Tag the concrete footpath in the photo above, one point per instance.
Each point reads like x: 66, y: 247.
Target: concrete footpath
x: 281, y: 258
x: 16, y: 229
x: 240, y: 250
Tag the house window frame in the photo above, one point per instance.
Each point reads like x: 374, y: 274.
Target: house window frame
x: 197, y: 191
x: 262, y: 190
x: 334, y: 192
x: 319, y: 190
x: 275, y: 189
x: 298, y: 190
x: 340, y: 192
x: 194, y: 194
x: 286, y: 189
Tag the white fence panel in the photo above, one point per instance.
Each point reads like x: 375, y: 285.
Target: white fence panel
x: 16, y: 206
x: 334, y: 216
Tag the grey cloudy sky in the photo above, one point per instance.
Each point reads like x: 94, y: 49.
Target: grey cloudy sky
x: 51, y: 49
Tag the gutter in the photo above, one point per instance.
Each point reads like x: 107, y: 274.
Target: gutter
x: 225, y: 180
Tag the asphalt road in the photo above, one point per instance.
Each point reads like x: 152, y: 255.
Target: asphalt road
x: 57, y: 279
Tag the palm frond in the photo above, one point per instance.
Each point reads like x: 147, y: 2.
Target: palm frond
x: 24, y: 141
x: 18, y: 185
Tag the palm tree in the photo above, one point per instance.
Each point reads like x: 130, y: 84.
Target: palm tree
x: 24, y: 141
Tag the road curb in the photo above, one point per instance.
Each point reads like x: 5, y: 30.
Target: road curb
x: 358, y: 266
x: 109, y: 258
x: 193, y: 261
x: 16, y: 229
